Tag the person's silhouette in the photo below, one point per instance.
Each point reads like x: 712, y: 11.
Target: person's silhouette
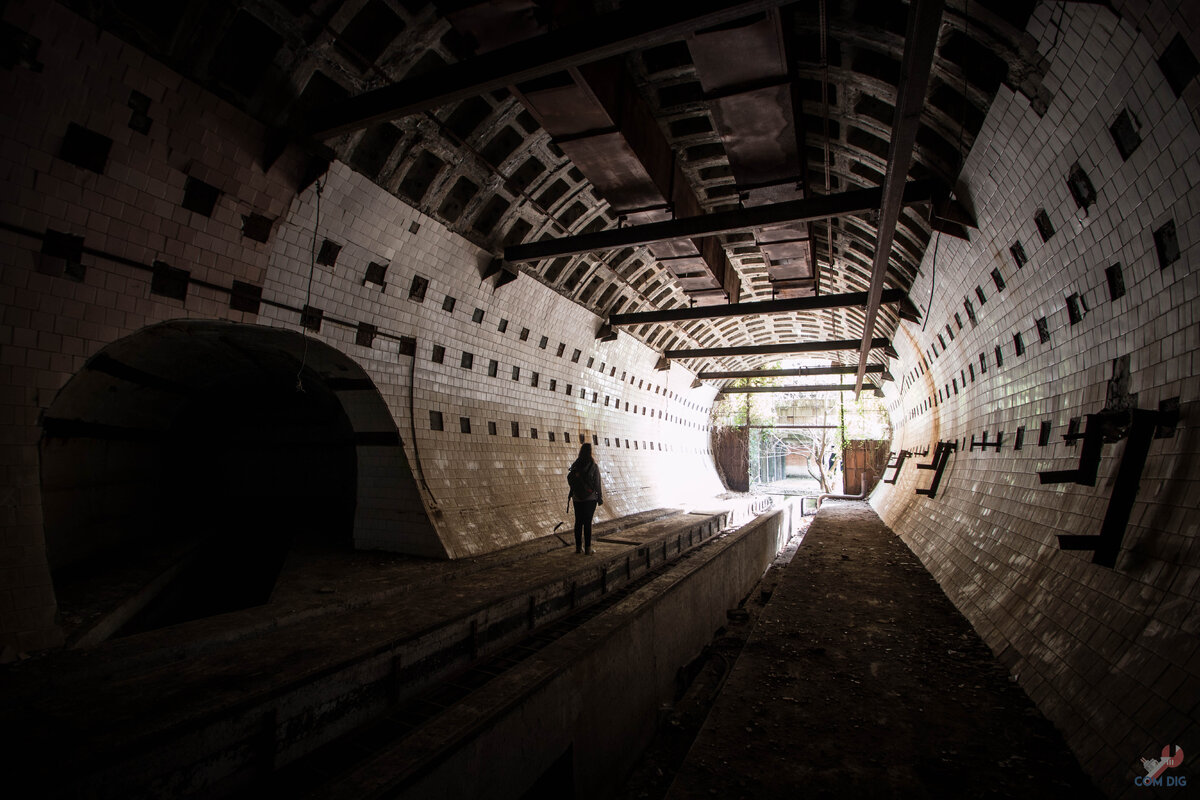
x: 586, y: 493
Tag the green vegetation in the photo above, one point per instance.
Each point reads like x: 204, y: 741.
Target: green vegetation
x: 806, y: 429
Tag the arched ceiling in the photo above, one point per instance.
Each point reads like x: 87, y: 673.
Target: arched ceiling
x: 487, y: 166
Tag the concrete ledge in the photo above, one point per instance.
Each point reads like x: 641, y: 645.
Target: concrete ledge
x: 559, y: 713
x: 243, y: 710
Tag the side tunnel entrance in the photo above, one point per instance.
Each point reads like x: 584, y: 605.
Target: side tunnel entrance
x: 182, y: 464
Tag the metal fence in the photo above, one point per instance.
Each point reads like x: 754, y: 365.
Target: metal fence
x: 768, y: 464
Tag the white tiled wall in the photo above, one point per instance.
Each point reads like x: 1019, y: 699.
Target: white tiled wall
x: 481, y: 491
x: 1110, y: 655
x: 487, y: 491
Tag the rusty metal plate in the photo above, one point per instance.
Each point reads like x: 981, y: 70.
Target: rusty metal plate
x: 686, y: 202
x: 739, y: 52
x: 790, y: 289
x: 673, y: 248
x: 759, y: 132
x: 495, y: 25
x: 700, y: 283
x: 708, y: 297
x: 687, y: 265
x: 781, y: 233
x: 781, y: 253
x: 775, y: 193
x: 648, y: 216
x: 789, y: 269
x: 562, y: 106
x: 610, y: 164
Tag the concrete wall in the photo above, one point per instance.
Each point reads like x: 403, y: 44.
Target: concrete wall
x: 1110, y: 655
x: 74, y: 165
x: 594, y: 695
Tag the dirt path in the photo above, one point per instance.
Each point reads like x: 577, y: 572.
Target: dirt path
x: 861, y: 679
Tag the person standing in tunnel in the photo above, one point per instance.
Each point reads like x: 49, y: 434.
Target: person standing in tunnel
x: 586, y: 493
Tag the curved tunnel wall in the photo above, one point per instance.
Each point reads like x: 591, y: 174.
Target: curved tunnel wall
x: 513, y: 375
x: 113, y: 228
x: 1110, y: 655
x: 110, y: 228
x: 187, y: 429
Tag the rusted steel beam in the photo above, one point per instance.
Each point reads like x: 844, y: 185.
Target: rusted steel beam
x: 795, y: 427
x: 920, y: 45
x: 833, y: 387
x: 857, y: 201
x: 799, y: 372
x: 848, y: 300
x: 777, y: 349
x: 644, y: 25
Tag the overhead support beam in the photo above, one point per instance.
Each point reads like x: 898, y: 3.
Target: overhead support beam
x: 644, y: 25
x: 820, y: 303
x: 503, y: 273
x: 908, y: 309
x: 920, y: 45
x: 778, y: 349
x: 799, y: 372
x: 858, y: 201
x: 952, y: 218
x: 809, y: 388
x: 795, y: 427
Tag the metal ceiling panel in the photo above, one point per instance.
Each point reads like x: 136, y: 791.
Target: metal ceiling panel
x: 615, y: 170
x: 740, y: 52
x: 791, y: 289
x: 685, y: 266
x: 711, y: 297
x: 673, y: 248
x: 563, y: 106
x: 771, y: 193
x: 703, y: 283
x: 788, y: 260
x: 759, y: 132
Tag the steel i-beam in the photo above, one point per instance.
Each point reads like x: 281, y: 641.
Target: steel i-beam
x: 799, y: 372
x: 819, y: 303
x: 805, y: 388
x: 614, y: 34
x: 779, y: 349
x: 857, y: 201
x: 920, y: 44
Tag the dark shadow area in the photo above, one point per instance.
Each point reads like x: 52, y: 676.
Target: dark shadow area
x: 177, y: 481
x: 251, y: 467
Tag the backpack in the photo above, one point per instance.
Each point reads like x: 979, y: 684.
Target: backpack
x: 578, y: 484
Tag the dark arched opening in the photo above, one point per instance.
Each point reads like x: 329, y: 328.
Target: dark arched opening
x: 181, y: 465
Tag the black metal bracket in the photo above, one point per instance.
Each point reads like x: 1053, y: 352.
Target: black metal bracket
x: 898, y: 464
x: 1138, y: 427
x: 937, y: 454
x: 985, y: 443
x: 941, y: 456
x: 1089, y: 456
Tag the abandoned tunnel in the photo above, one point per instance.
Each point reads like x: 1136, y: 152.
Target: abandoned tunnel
x: 309, y: 304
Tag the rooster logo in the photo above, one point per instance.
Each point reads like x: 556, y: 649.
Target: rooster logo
x: 1157, y: 766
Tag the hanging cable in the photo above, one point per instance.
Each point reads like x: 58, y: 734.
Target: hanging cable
x: 932, y: 277
x: 828, y: 160
x: 312, y: 268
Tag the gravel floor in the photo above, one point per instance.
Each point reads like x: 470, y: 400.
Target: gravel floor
x: 860, y: 679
